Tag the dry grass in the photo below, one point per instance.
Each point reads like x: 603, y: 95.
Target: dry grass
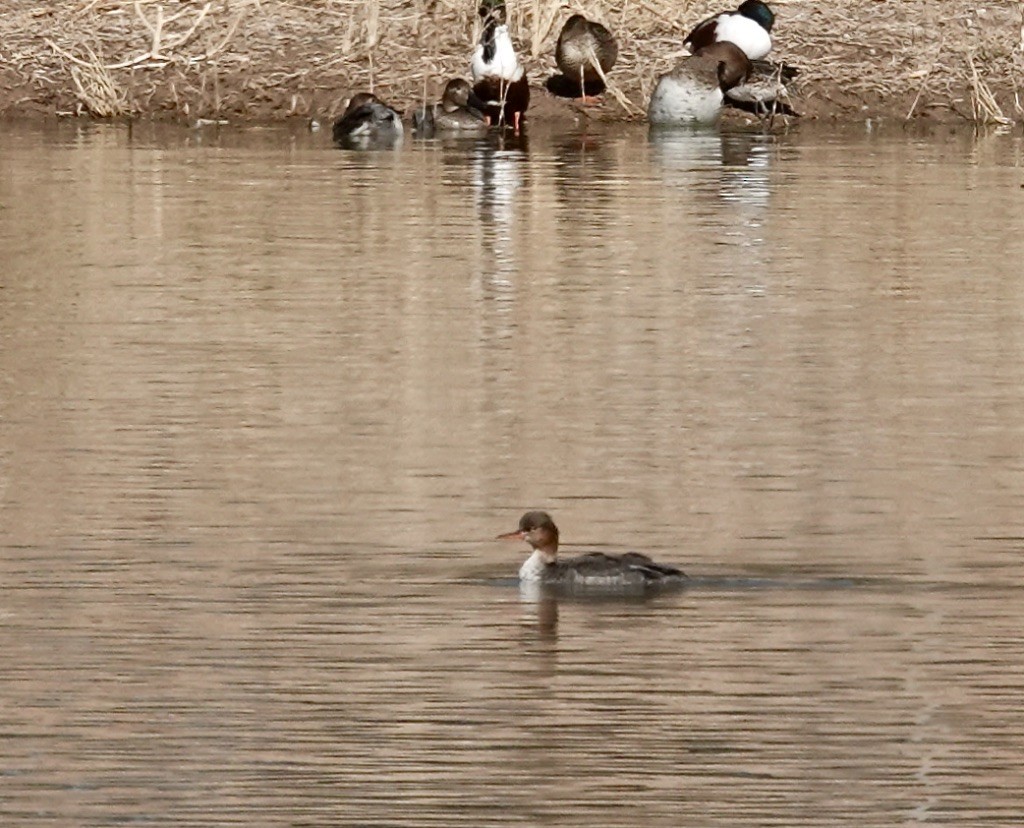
x: 271, y: 58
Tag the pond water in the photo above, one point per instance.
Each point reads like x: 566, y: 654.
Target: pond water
x: 265, y: 404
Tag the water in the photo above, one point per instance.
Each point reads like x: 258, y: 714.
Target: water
x: 265, y: 405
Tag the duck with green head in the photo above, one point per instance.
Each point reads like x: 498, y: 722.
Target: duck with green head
x: 749, y: 27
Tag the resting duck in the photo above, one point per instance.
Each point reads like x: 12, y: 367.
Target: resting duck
x: 749, y: 27
x: 500, y: 88
x: 715, y: 76
x: 693, y: 92
x: 586, y: 50
x: 452, y: 114
x: 366, y: 121
x: 592, y: 569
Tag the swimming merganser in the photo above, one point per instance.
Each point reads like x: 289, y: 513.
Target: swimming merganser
x: 592, y: 569
x: 748, y: 27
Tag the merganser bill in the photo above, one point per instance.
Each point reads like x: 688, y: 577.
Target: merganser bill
x: 592, y: 569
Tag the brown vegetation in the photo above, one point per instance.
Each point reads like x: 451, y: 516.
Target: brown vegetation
x: 264, y: 59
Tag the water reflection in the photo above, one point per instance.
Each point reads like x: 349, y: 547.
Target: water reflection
x: 499, y: 164
x: 500, y: 184
x: 372, y: 143
x: 746, y: 161
x: 541, y: 602
x: 262, y: 400
x: 585, y: 188
x: 732, y: 173
x: 540, y: 608
x: 684, y: 155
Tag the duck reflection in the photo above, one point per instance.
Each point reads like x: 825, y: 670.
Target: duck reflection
x: 741, y: 159
x: 585, y: 171
x: 583, y: 166
x: 727, y: 178
x: 542, y: 604
x: 746, y: 160
x: 540, y: 608
x: 499, y: 173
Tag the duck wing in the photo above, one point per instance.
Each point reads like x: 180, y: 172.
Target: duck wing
x: 655, y: 571
x: 594, y: 565
x: 598, y: 565
x: 704, y: 34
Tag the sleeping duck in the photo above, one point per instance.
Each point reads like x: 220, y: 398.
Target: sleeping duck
x: 367, y: 122
x: 452, y: 114
x: 714, y: 76
x: 693, y: 92
x: 585, y: 53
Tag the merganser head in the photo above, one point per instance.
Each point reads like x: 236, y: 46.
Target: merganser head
x: 538, y: 530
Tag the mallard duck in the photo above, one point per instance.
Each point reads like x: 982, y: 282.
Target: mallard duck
x: 586, y: 51
x: 367, y: 121
x: 500, y: 89
x: 453, y: 113
x: 748, y: 27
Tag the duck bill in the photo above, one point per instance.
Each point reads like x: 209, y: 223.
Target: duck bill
x: 516, y: 535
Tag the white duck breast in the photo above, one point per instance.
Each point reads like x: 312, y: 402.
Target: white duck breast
x: 748, y: 34
x: 504, y: 64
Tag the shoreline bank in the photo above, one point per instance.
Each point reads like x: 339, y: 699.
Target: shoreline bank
x: 265, y: 60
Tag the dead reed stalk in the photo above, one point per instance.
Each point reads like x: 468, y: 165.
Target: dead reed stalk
x: 97, y: 90
x: 983, y: 103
